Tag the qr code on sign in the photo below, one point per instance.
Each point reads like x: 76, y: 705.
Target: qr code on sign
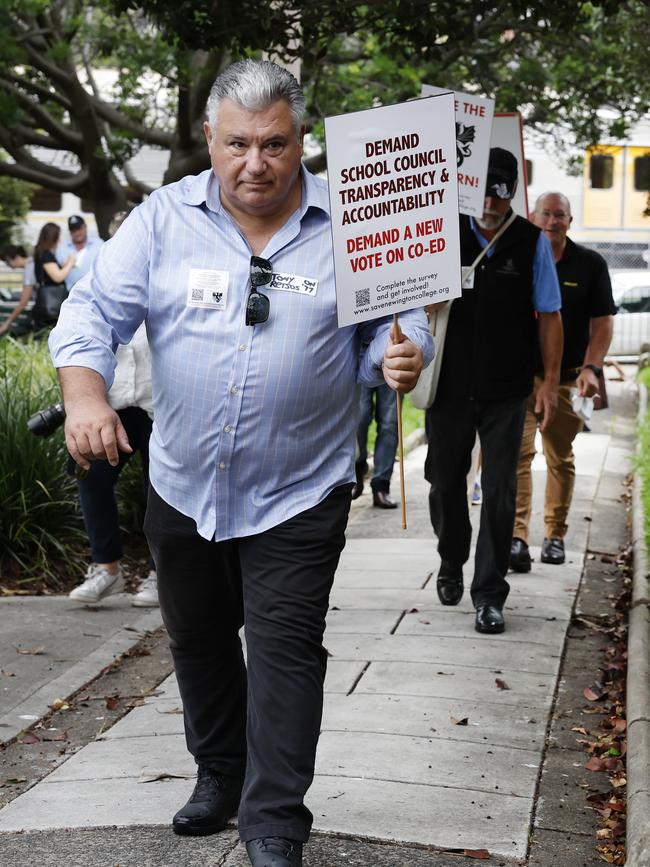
x: 363, y: 297
x: 197, y: 294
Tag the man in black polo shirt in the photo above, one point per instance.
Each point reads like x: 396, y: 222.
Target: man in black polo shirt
x: 587, y: 315
x: 486, y: 377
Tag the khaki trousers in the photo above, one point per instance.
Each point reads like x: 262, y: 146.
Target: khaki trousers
x: 557, y: 441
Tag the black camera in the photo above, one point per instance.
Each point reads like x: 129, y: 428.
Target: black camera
x: 46, y: 421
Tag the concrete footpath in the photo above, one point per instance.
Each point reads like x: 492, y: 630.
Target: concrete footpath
x: 433, y: 735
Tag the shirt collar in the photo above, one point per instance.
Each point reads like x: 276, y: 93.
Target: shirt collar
x: 204, y: 188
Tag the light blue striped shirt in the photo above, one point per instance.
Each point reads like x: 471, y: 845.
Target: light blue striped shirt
x: 252, y: 425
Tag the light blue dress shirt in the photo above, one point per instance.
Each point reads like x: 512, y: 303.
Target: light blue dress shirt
x: 90, y: 251
x: 252, y: 424
x: 546, y: 287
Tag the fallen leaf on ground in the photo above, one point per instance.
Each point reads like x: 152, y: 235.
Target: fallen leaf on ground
x: 595, y: 764
x: 55, y: 736
x: 59, y: 704
x: 173, y: 710
x: 30, y: 738
x: 112, y: 702
x: 501, y: 684
x: 7, y: 673
x: 30, y: 651
x: 459, y: 722
x: 14, y: 781
x: 594, y: 694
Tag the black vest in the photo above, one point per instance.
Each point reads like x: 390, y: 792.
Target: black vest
x: 491, y: 339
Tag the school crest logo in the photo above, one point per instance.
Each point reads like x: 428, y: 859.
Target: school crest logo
x: 465, y: 136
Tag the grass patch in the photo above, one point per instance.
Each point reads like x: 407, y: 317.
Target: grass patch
x: 42, y: 538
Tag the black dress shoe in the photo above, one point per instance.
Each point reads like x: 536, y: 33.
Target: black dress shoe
x: 381, y: 500
x: 213, y: 802
x: 553, y: 551
x: 450, y: 584
x: 519, y: 556
x: 489, y: 619
x: 274, y: 852
x: 360, y: 471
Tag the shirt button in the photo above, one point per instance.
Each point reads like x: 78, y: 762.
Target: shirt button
x: 242, y: 347
x: 227, y: 429
x: 234, y: 389
x: 222, y: 466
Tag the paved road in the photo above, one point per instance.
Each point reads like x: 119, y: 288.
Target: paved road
x: 396, y: 760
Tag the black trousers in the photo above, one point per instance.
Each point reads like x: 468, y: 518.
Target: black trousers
x: 263, y: 718
x: 451, y: 428
x: 97, y: 490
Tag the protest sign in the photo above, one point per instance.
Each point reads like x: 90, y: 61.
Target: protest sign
x: 394, y: 204
x: 507, y: 132
x: 473, y: 130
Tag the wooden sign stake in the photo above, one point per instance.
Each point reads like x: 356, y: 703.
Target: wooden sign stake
x: 398, y: 339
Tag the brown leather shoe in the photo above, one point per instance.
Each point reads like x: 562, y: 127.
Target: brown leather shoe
x: 381, y: 500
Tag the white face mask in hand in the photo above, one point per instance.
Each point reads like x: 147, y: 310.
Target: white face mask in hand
x: 582, y: 406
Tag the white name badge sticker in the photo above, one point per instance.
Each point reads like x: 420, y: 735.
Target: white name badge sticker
x: 468, y: 278
x: 293, y: 283
x: 207, y: 288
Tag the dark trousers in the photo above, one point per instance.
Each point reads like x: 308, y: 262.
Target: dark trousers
x: 97, y: 490
x: 264, y: 716
x: 381, y: 402
x: 451, y: 428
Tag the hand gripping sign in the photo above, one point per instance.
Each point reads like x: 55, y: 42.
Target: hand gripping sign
x: 394, y: 202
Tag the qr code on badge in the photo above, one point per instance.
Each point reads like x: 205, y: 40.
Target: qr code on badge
x: 363, y: 297
x: 197, y: 294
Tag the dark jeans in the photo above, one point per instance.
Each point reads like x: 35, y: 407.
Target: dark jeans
x: 378, y: 401
x: 264, y: 715
x: 97, y: 490
x: 451, y: 428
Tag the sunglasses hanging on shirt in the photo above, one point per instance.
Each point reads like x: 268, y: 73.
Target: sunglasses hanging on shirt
x: 258, y: 305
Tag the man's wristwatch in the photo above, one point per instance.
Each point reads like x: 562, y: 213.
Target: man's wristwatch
x: 597, y: 370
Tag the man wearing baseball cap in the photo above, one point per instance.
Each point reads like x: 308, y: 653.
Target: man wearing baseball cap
x: 510, y: 301
x: 84, y: 248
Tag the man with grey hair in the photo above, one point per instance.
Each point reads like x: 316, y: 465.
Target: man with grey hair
x: 252, y: 450
x: 587, y: 318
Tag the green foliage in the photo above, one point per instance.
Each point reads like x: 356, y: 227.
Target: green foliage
x: 14, y: 205
x: 42, y: 536
x: 41, y: 533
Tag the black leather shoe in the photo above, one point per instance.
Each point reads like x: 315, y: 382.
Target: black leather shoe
x: 553, y: 551
x: 519, y: 556
x: 213, y: 802
x: 360, y: 471
x: 274, y: 852
x: 450, y: 584
x: 489, y: 619
x: 381, y: 500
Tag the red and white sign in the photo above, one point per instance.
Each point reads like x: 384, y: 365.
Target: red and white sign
x: 473, y: 129
x: 394, y: 206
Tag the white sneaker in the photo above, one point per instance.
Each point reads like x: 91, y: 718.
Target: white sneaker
x: 147, y: 595
x: 99, y: 583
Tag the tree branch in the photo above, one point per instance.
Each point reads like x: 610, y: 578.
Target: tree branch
x: 117, y: 119
x: 132, y: 181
